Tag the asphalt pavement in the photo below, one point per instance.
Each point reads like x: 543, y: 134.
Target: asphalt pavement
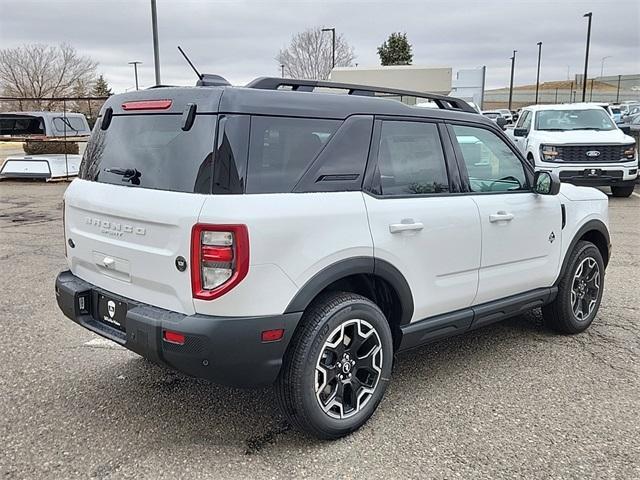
x: 511, y: 400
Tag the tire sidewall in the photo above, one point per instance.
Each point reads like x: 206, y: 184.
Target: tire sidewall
x: 337, y: 316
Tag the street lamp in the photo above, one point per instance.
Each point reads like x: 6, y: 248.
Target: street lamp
x: 513, y: 64
x: 586, y: 57
x: 602, y: 64
x: 135, y: 71
x: 538, y: 75
x: 333, y: 45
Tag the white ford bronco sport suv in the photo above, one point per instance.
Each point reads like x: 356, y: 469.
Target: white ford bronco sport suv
x: 581, y: 143
x: 275, y: 234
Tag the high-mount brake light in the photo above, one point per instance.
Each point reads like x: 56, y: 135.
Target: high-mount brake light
x: 147, y: 105
x: 219, y: 259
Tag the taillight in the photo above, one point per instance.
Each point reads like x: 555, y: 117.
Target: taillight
x: 219, y: 259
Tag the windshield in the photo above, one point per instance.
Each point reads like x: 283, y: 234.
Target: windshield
x: 562, y: 120
x: 151, y: 151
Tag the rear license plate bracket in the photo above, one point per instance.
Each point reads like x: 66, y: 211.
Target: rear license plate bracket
x: 112, y: 312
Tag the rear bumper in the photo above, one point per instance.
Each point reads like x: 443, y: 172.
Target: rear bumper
x: 225, y: 350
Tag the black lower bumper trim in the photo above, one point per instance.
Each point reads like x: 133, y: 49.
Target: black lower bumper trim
x: 225, y: 350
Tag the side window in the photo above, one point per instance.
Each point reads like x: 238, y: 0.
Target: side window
x: 525, y: 120
x: 281, y: 150
x: 491, y: 164
x: 410, y: 159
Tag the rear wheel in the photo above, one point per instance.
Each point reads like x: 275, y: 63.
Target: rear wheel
x: 579, y: 291
x: 337, y: 367
x: 622, y: 191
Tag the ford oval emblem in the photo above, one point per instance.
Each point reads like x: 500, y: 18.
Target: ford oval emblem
x: 593, y: 153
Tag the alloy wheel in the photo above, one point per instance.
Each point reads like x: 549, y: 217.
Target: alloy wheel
x: 348, y: 369
x: 585, y: 288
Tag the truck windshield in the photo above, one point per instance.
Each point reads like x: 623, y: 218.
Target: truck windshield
x: 152, y: 151
x: 562, y: 120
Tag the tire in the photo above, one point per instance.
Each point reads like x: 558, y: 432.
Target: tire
x: 622, y: 191
x: 315, y: 358
x: 579, y: 291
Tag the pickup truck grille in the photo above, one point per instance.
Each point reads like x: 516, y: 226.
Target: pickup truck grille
x: 578, y: 153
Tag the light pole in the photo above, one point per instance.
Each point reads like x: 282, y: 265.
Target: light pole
x: 586, y: 57
x: 513, y: 64
x: 538, y: 75
x: 602, y: 65
x: 135, y: 71
x: 333, y: 45
x: 156, y: 50
x: 282, y: 69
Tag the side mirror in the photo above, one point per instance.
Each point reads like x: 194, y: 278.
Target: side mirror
x: 520, y: 132
x: 502, y: 122
x: 546, y: 183
x: 626, y: 129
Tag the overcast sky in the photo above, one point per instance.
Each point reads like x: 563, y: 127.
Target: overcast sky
x: 239, y: 39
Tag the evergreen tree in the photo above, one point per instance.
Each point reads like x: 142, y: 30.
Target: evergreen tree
x: 101, y: 88
x: 396, y: 50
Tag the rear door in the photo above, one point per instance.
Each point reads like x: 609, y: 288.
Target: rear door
x: 129, y: 215
x: 520, y: 229
x: 417, y: 225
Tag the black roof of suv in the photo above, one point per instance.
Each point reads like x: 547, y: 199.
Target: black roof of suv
x: 279, y: 96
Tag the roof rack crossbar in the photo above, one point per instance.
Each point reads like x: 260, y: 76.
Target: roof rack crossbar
x: 274, y: 83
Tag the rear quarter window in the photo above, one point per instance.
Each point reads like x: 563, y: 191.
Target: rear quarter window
x: 281, y: 150
x: 163, y: 156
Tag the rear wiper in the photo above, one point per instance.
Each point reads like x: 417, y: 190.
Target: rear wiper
x: 128, y: 174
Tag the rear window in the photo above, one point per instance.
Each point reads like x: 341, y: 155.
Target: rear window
x: 72, y: 124
x: 152, y: 151
x: 282, y: 149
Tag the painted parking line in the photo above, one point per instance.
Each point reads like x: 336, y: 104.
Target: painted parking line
x: 636, y: 194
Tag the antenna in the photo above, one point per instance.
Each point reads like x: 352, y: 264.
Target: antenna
x: 190, y: 64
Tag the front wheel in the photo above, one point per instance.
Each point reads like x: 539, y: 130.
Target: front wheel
x: 622, y: 191
x: 337, y: 367
x: 579, y: 291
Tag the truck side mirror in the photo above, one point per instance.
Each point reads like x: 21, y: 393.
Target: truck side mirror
x: 546, y: 183
x: 520, y: 132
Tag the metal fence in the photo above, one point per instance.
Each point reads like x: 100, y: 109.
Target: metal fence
x: 610, y: 89
x: 89, y: 106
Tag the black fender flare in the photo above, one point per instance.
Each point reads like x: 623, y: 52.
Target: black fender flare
x: 591, y: 225
x: 353, y: 266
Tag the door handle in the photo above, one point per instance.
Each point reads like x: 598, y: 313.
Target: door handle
x: 501, y: 216
x: 406, y: 225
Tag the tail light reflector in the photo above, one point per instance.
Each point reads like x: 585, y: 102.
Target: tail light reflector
x: 272, y: 335
x: 173, y: 337
x: 219, y: 259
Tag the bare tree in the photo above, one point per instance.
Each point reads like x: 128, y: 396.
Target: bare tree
x: 41, y: 71
x: 310, y: 54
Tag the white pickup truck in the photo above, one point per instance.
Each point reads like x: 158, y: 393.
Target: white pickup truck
x: 581, y: 143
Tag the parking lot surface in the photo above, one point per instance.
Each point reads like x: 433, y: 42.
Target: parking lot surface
x: 511, y: 400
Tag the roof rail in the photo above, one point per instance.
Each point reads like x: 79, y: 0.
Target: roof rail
x: 274, y: 83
